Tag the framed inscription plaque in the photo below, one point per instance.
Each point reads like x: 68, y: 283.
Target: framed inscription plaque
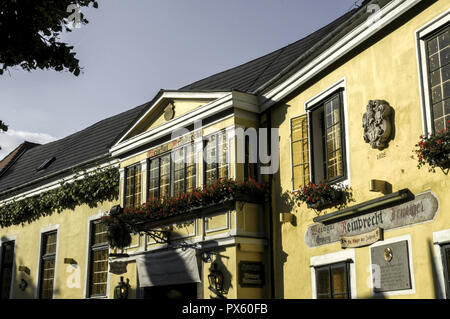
x: 390, y: 266
x: 251, y: 274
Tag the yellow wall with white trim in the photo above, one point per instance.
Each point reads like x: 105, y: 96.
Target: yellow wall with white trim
x: 387, y: 70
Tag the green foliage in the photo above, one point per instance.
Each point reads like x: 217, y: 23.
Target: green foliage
x: 30, y: 30
x: 96, y: 187
x: 4, y: 128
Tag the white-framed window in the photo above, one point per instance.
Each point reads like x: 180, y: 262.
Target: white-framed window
x: 48, y: 257
x: 441, y: 249
x: 319, y: 139
x: 433, y: 51
x: 97, y: 276
x: 333, y: 275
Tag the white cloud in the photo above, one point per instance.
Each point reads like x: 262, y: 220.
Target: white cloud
x: 11, y: 139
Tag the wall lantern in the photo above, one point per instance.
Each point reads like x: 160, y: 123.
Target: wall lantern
x: 207, y: 256
x: 121, y: 290
x: 215, y: 280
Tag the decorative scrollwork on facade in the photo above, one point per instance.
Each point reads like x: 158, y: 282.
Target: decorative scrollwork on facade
x: 377, y: 124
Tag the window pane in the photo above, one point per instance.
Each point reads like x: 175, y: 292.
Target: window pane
x: 133, y: 186
x: 323, y: 283
x: 48, y: 273
x: 439, y: 74
x: 153, y: 182
x: 99, y: 233
x: 223, y: 155
x: 191, y: 171
x: 433, y: 46
x: 333, y: 163
x: 444, y: 40
x: 49, y: 244
x: 212, y: 160
x: 99, y: 272
x: 339, y: 282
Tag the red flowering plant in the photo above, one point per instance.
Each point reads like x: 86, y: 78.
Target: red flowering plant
x: 323, y: 195
x: 434, y: 150
x: 215, y: 193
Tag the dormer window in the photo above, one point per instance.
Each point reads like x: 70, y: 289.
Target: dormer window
x: 46, y: 163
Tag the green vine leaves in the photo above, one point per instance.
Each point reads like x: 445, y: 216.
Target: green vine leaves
x: 90, y: 188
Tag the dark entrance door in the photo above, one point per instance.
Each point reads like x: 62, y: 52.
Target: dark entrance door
x: 184, y: 291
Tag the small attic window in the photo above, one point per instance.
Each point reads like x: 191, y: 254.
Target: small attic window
x: 46, y: 163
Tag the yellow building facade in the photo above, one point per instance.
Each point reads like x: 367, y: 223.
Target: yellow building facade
x: 388, y: 67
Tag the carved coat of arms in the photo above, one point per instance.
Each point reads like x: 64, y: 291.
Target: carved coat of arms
x: 377, y: 124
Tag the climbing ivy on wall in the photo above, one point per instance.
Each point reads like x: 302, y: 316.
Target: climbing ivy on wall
x: 96, y: 187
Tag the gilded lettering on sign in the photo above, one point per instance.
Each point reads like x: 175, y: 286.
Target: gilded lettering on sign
x: 362, y: 240
x: 170, y: 145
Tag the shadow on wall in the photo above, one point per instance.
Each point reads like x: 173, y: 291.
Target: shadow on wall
x: 282, y: 203
x: 227, y: 276
x: 434, y: 272
x: 23, y: 287
x: 22, y: 284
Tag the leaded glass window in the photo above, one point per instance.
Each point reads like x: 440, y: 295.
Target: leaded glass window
x: 133, y: 186
x: 6, y: 269
x: 438, y: 56
x: 48, y: 255
x: 327, y: 132
x: 216, y: 160
x: 173, y: 173
x: 332, y: 281
x: 98, y: 275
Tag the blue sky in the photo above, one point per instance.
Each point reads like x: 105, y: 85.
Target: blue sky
x: 131, y: 49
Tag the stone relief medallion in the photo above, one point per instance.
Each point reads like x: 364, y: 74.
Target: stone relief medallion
x: 169, y: 112
x: 377, y: 124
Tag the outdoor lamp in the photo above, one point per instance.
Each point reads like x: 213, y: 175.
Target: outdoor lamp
x: 215, y: 279
x: 121, y: 290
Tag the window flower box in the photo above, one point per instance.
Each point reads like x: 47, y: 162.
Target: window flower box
x: 434, y: 150
x: 321, y: 196
x: 219, y: 194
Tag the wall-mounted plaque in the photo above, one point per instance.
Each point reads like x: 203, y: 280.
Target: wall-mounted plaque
x: 251, y: 274
x: 390, y: 264
x: 118, y: 267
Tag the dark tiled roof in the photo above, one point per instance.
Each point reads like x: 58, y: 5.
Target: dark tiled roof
x: 16, y: 153
x: 249, y: 77
x: 87, y: 145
